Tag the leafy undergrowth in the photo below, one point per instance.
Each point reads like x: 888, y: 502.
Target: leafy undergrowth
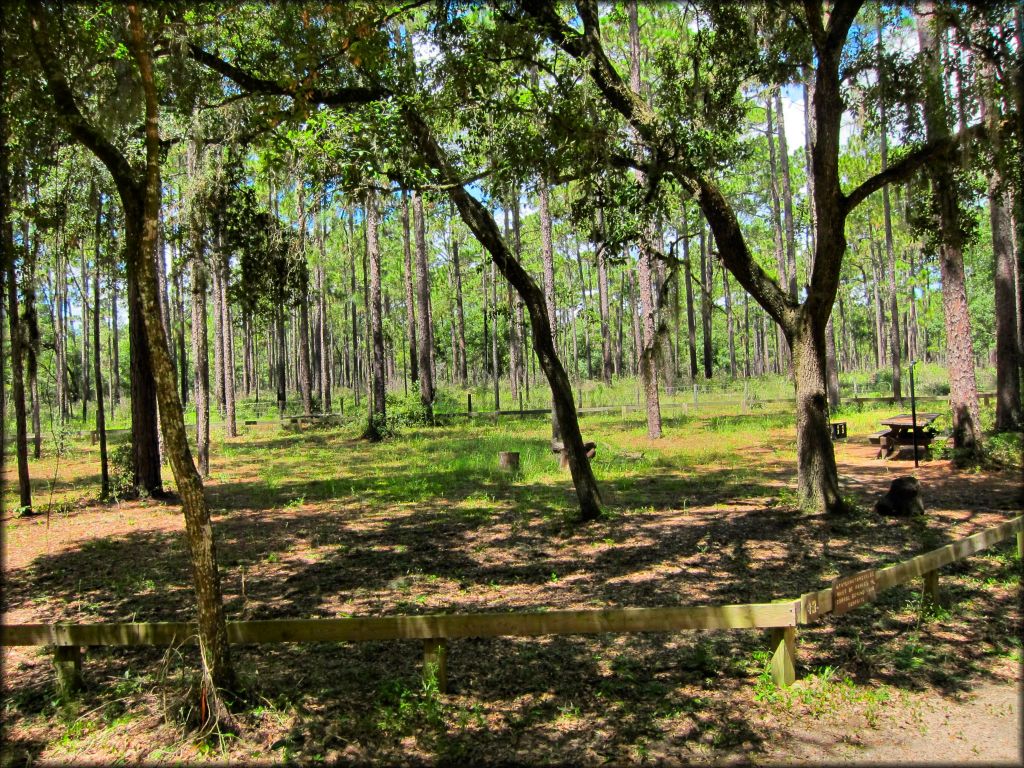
x: 318, y: 524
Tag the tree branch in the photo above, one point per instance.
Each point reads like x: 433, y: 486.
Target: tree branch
x: 337, y: 97
x: 125, y: 176
x: 937, y: 150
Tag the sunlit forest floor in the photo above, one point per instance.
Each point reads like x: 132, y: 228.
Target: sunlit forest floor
x: 317, y: 523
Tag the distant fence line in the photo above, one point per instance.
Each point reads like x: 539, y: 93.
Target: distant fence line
x: 625, y: 408
x: 782, y: 617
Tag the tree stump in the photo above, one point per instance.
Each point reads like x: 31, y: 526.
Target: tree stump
x: 903, y: 498
x: 508, y: 461
x: 563, y: 458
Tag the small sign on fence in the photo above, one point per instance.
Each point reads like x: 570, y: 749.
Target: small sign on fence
x: 851, y: 591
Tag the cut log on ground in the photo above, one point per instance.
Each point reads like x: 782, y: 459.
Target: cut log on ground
x: 508, y: 461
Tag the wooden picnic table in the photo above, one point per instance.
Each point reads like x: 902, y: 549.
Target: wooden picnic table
x: 903, y: 431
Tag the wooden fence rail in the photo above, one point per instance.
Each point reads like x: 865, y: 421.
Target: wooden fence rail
x: 781, y: 617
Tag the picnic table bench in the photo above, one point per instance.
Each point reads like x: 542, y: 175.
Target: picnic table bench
x: 901, y: 430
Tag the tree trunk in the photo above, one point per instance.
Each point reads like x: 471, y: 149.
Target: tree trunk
x: 547, y: 257
x: 424, y: 336
x: 145, y: 442
x: 325, y: 366
x: 495, y: 360
x: 514, y: 329
x: 219, y: 672
x: 1009, y: 417
x: 705, y: 299
x: 60, y: 336
x: 482, y: 224
x: 963, y: 390
x: 691, y: 320
x: 230, y: 425
x: 83, y: 293
x: 200, y: 352
x: 115, y: 351
x: 218, y: 331
x: 7, y: 245
x: 780, y: 254
x: 305, y: 368
x: 894, y: 324
x: 602, y: 294
x: 787, y: 198
x: 410, y: 303
x: 729, y: 323
x: 180, y: 333
x: 818, y: 485
x: 379, y: 407
x: 648, y: 359
x: 459, y: 314
x: 30, y: 322
x: 101, y: 427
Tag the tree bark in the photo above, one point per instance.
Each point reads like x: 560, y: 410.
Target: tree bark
x: 101, y: 427
x: 547, y: 258
x: 325, y: 366
x: 218, y: 329
x: 30, y: 321
x: 705, y: 299
x: 787, y: 198
x: 818, y: 480
x: 410, y: 302
x: 60, y: 333
x: 200, y: 352
x: 648, y: 359
x: 459, y: 313
x: 8, y: 260
x: 691, y: 320
x: 963, y: 390
x: 495, y: 360
x: 1009, y: 416
x: 780, y: 244
x: 305, y: 368
x: 228, y: 344
x: 379, y: 406
x: 601, y: 249
x: 83, y: 293
x: 894, y: 325
x: 729, y: 323
x: 424, y: 336
x: 482, y: 224
x: 115, y: 352
x: 140, y: 200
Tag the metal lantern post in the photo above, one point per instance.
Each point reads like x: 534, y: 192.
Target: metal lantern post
x: 913, y: 410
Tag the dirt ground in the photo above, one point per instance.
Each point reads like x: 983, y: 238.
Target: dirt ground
x: 885, y: 684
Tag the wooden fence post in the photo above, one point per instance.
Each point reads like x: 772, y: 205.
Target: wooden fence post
x: 783, y: 642
x: 931, y: 589
x: 67, y: 661
x: 435, y: 662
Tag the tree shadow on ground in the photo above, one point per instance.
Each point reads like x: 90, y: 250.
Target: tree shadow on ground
x: 491, y: 542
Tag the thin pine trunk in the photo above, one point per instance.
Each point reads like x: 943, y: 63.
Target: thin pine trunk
x: 8, y: 254
x: 547, y: 258
x: 603, y: 298
x: 379, y: 413
x: 705, y: 298
x: 424, y: 334
x: 101, y: 427
x: 410, y: 301
x: 230, y: 426
x: 691, y: 319
x: 459, y: 313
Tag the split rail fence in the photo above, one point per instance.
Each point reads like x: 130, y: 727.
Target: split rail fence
x: 781, y: 617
